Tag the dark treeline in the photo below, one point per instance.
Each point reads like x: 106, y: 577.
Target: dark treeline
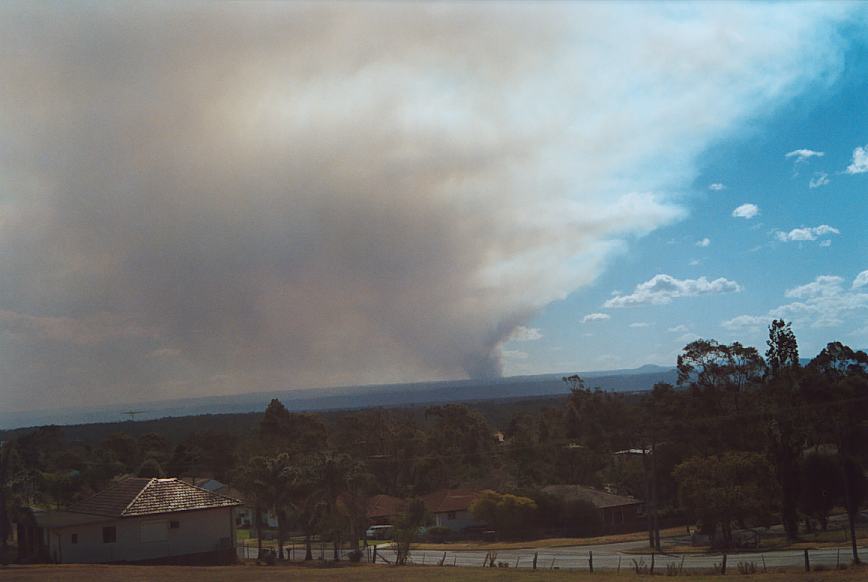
x: 743, y: 439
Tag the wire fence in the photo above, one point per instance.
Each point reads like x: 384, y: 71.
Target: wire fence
x: 577, y: 558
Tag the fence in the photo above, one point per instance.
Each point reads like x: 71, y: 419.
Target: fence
x: 577, y: 558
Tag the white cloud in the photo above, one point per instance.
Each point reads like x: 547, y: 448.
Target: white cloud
x: 687, y: 337
x: 695, y: 262
x: 803, y: 155
x: 704, y: 242
x: 859, y: 165
x: 819, y: 179
x: 640, y: 324
x: 826, y: 243
x: 822, y: 286
x: 746, y: 322
x: 662, y: 289
x: 525, y: 334
x: 595, y: 317
x: 824, y: 302
x: 806, y: 233
x: 681, y: 328
x: 514, y: 354
x: 717, y: 186
x: 747, y: 211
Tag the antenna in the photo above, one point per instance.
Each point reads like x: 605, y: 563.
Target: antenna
x: 132, y: 413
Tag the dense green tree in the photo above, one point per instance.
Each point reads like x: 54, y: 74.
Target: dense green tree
x: 836, y: 384
x: 285, y: 431
x: 508, y: 514
x: 722, y: 490
x: 784, y: 419
x: 821, y: 487
x: 782, y: 355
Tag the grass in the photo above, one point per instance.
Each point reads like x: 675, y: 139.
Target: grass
x: 365, y: 573
x: 547, y: 542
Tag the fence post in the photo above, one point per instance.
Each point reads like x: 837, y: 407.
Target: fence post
x: 374, y: 561
x: 443, y: 559
x: 517, y: 558
x: 619, y: 565
x: 723, y: 564
x: 807, y: 562
x: 681, y: 565
x: 652, y: 563
x: 535, y: 555
x: 838, y: 559
x: 764, y: 563
x: 591, y: 562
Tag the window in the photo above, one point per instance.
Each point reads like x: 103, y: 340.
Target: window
x: 109, y: 534
x: 74, y: 538
x: 174, y: 524
x: 450, y: 515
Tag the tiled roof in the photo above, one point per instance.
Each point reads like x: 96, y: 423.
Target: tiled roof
x: 385, y: 506
x: 138, y: 496
x: 446, y: 500
x: 600, y: 499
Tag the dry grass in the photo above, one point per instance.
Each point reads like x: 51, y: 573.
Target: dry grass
x: 362, y: 573
x: 547, y: 542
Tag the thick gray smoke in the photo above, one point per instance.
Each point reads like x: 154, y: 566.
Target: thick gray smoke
x: 227, y: 198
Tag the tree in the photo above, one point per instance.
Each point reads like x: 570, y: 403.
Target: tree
x: 837, y: 386
x: 284, y: 431
x: 721, y: 377
x: 781, y: 401
x: 508, y: 514
x: 341, y: 488
x: 150, y: 467
x: 461, y: 440
x: 268, y: 481
x: 783, y: 349
x: 722, y: 490
x: 407, y: 525
x: 821, y: 487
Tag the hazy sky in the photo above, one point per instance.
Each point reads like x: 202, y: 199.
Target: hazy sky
x: 222, y: 198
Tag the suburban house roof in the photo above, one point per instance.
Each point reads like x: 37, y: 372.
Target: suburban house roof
x: 385, y: 506
x: 447, y: 500
x: 137, y: 496
x: 600, y: 499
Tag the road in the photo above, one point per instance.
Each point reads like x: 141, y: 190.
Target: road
x: 614, y: 556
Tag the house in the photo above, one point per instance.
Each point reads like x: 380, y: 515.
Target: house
x: 617, y: 512
x: 141, y: 520
x: 382, y: 509
x: 450, y: 508
x: 245, y: 514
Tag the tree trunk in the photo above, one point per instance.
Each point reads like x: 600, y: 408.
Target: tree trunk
x: 257, y: 515
x: 279, y: 536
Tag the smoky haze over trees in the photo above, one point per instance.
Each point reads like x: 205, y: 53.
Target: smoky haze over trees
x: 740, y: 442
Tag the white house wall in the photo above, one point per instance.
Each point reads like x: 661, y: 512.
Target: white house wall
x: 198, y: 532
x: 460, y: 520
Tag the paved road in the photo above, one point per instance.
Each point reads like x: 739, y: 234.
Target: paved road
x: 606, y: 557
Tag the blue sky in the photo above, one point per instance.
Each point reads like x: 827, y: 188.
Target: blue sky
x: 240, y: 197
x: 751, y: 164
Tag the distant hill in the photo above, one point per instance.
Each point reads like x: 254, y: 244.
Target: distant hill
x: 354, y: 397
